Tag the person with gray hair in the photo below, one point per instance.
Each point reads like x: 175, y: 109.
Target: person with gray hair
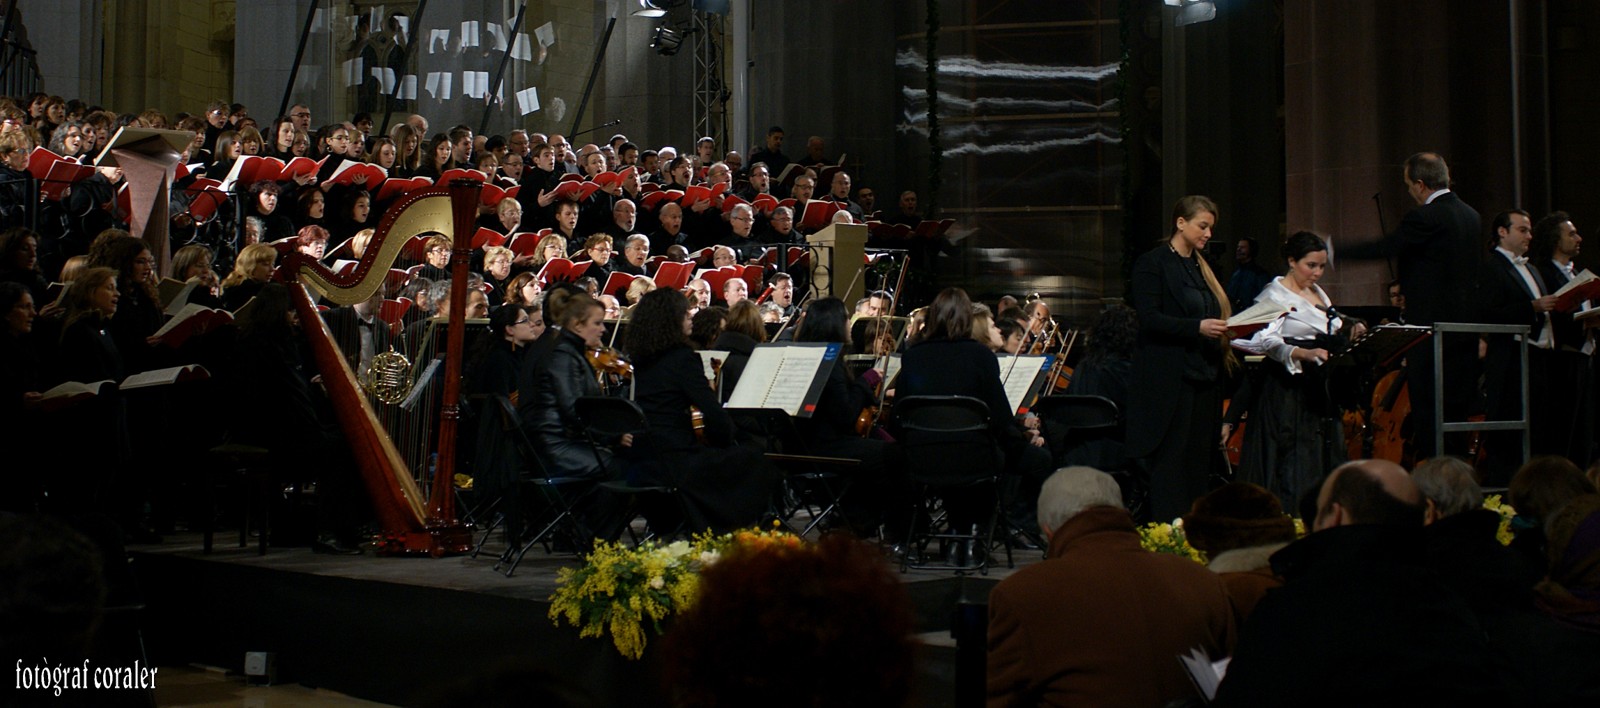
x: 1059, y: 630
x: 1448, y: 487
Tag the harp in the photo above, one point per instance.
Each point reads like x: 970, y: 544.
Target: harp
x: 417, y: 516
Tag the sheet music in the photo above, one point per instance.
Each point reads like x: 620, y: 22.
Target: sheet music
x: 1019, y: 379
x: 408, y: 88
x: 499, y: 34
x: 352, y: 72
x: 528, y: 100
x: 474, y: 83
x: 421, y: 386
x: 385, y: 77
x: 439, y: 83
x: 890, y: 366
x: 779, y: 377
x: 706, y: 355
x: 1206, y: 674
x: 520, y: 48
x: 436, y: 38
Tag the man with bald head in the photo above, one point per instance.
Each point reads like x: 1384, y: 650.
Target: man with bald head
x: 1361, y: 619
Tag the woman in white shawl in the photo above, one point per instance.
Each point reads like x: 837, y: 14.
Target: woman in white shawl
x: 1294, y: 434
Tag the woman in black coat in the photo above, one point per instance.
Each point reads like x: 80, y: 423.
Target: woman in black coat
x: 1175, y: 403
x: 727, y: 486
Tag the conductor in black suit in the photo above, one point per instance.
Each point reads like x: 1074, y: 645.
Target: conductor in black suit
x: 1512, y: 291
x: 1436, y: 254
x: 1175, y: 405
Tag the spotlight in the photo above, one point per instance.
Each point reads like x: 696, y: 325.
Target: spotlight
x: 652, y: 8
x: 1193, y: 11
x: 666, y: 41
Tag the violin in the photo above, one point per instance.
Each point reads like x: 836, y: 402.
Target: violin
x: 611, y: 369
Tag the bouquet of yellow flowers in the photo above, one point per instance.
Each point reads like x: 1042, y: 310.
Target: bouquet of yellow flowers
x: 619, y: 589
x: 1493, y: 503
x: 1168, y: 538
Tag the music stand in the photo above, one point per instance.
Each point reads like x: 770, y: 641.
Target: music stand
x: 148, y: 158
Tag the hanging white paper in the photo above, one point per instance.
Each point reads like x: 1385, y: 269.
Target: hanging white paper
x: 528, y: 100
x: 438, y: 84
x: 546, y: 34
x: 474, y: 83
x: 438, y: 39
x: 352, y: 72
x: 319, y: 21
x: 385, y: 77
x: 520, y: 49
x: 306, y: 80
x: 405, y: 27
x: 375, y: 23
x: 408, y: 88
x: 469, y: 34
x: 499, y: 35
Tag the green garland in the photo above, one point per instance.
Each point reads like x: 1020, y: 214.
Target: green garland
x: 935, y: 150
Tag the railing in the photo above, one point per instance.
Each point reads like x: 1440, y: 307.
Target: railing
x: 1439, y: 426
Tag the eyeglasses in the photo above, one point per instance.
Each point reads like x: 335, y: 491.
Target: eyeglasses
x: 144, y: 261
x: 302, y: 114
x: 523, y: 321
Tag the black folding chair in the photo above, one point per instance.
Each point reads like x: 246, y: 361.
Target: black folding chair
x: 950, y: 454
x: 606, y: 418
x: 560, y: 496
x: 1088, y: 430
x: 812, y: 483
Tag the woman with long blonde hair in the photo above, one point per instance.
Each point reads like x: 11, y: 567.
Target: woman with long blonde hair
x: 1175, y: 405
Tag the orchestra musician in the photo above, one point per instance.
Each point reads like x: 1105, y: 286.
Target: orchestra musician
x: 726, y: 486
x: 945, y: 360
x: 832, y: 429
x: 1174, y: 407
x: 1295, y: 433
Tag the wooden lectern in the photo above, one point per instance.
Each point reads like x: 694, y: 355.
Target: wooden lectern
x: 838, y: 257
x: 148, y: 159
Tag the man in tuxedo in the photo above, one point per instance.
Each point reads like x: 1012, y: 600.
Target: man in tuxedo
x: 1511, y: 291
x: 1437, y: 257
x: 1555, y: 244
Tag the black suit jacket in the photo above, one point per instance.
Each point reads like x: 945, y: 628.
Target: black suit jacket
x: 1504, y: 297
x: 1171, y: 304
x: 343, y: 325
x: 1436, y: 258
x: 1569, y: 334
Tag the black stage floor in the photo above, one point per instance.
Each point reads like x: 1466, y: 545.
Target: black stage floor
x: 397, y: 630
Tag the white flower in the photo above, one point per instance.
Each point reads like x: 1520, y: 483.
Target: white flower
x: 678, y: 548
x: 657, y: 582
x: 709, y: 557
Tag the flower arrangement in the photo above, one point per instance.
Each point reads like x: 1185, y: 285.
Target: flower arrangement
x: 1169, y: 538
x: 620, y: 589
x: 1493, y: 503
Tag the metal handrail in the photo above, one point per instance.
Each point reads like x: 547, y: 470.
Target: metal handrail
x: 1439, y: 426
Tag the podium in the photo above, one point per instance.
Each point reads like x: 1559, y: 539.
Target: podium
x: 148, y: 159
x: 839, y: 251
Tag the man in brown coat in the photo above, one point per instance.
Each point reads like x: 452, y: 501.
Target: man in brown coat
x: 1101, y: 621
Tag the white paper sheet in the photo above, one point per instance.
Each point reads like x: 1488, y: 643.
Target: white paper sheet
x: 528, y: 100
x: 520, y: 49
x: 385, y: 77
x: 438, y: 84
x: 439, y: 38
x: 499, y: 35
x: 405, y: 27
x: 319, y: 21
x: 546, y: 34
x: 469, y: 34
x: 408, y: 88
x: 352, y: 71
x: 474, y: 83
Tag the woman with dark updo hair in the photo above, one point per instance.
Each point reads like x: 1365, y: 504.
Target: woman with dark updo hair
x: 1295, y: 433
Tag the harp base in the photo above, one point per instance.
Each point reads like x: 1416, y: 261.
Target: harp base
x: 437, y: 541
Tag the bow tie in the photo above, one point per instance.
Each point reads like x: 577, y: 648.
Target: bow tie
x: 1519, y: 260
x: 366, y: 323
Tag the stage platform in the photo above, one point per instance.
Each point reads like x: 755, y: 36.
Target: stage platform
x: 397, y: 630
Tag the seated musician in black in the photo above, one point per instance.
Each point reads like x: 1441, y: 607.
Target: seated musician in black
x: 726, y: 486
x: 945, y: 360
x: 560, y: 377
x: 832, y: 430
x: 495, y: 367
x: 290, y: 417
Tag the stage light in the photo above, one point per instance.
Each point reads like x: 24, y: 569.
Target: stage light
x: 1193, y: 11
x: 651, y: 8
x: 666, y: 41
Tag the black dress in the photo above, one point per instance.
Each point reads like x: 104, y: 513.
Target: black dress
x: 726, y: 486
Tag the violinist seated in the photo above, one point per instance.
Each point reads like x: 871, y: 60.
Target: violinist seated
x: 742, y: 331
x: 559, y: 379
x: 724, y: 486
x: 836, y: 427
x: 947, y: 360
